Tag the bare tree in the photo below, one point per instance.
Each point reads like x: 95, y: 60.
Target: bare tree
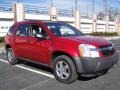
x: 111, y: 13
x: 101, y: 15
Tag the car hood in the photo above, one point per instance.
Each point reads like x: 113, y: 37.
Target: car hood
x: 90, y: 40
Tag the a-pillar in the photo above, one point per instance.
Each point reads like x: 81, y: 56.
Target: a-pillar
x: 77, y: 20
x: 18, y: 10
x: 53, y: 14
x: 107, y: 24
x: 117, y: 21
x: 94, y: 26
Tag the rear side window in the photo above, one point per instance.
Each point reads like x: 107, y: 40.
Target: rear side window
x: 11, y: 30
x: 23, y: 30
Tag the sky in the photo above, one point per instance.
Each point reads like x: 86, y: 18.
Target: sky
x: 83, y: 5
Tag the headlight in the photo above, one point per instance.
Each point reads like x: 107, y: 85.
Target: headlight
x: 88, y: 50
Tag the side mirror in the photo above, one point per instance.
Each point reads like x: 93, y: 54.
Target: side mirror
x: 39, y: 36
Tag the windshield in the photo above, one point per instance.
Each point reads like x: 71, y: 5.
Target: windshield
x: 63, y: 29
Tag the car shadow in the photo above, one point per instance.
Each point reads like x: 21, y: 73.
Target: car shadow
x: 84, y: 78
x: 28, y: 64
x: 36, y: 66
x: 49, y: 70
x: 91, y: 76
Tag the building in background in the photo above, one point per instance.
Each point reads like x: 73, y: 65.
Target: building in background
x: 10, y: 13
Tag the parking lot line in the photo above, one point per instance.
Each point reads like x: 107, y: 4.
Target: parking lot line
x: 118, y: 51
x: 31, y: 70
x: 36, y: 84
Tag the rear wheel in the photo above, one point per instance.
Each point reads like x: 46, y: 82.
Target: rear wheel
x: 11, y: 57
x: 64, y: 69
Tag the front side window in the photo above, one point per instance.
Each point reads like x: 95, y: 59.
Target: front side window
x: 63, y: 29
x: 36, y: 29
x: 23, y: 30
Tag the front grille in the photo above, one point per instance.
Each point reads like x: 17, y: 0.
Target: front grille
x: 107, y: 50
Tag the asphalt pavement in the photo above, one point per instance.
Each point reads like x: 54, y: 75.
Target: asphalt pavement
x: 28, y: 76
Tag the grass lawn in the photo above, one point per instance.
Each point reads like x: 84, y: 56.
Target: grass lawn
x: 2, y: 44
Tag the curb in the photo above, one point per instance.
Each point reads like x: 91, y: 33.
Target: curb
x: 111, y: 38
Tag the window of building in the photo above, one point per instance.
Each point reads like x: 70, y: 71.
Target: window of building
x: 6, y: 27
x: 2, y: 27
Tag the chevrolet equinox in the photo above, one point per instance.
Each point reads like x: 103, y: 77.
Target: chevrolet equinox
x: 60, y: 46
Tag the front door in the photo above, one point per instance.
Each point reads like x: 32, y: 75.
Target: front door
x: 39, y: 49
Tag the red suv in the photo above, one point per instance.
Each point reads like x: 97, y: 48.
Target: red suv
x: 61, y: 47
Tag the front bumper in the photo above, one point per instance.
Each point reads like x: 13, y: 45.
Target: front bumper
x: 95, y: 65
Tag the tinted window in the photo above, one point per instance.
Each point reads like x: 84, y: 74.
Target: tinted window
x: 23, y: 30
x: 63, y: 29
x: 36, y: 29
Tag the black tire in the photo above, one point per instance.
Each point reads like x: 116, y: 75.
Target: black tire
x: 11, y: 57
x: 70, y: 71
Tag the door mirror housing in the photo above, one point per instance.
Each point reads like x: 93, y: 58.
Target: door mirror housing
x: 42, y: 37
x: 39, y: 36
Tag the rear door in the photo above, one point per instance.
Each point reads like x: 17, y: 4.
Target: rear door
x: 21, y: 40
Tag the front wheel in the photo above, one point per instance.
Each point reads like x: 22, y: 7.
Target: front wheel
x: 11, y: 57
x: 64, y: 69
